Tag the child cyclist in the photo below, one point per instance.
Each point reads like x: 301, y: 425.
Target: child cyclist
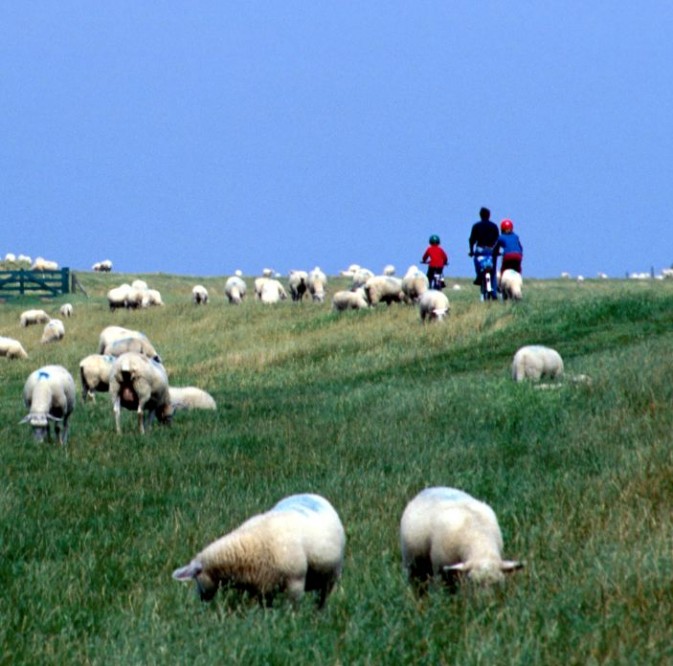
x: 436, y: 259
x: 510, y: 247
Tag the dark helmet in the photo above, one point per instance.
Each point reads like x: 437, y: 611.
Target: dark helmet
x: 434, y: 239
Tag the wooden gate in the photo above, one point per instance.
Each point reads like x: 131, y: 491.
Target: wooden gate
x: 38, y: 283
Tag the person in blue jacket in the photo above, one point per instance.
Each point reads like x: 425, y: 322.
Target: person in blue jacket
x: 509, y: 245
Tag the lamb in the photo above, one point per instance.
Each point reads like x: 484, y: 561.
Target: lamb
x: 66, y: 310
x: 141, y: 384
x: 235, y: 289
x: 349, y: 300
x: 510, y: 284
x: 30, y: 317
x: 316, y: 285
x: 53, y: 331
x: 433, y: 305
x: 535, y: 362
x: 298, y: 284
x: 12, y: 348
x: 190, y: 397
x: 296, y: 547
x: 104, y: 266
x: 272, y: 291
x: 199, y: 295
x: 414, y: 283
x: 446, y: 532
x: 383, y: 289
x: 94, y: 373
x: 49, y: 395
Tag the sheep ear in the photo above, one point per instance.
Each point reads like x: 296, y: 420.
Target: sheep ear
x: 192, y: 570
x: 511, y: 565
x: 460, y: 567
x: 25, y: 419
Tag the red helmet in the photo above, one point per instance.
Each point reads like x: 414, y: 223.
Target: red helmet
x: 506, y: 226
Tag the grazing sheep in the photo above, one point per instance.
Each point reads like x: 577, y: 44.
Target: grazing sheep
x: 199, y: 294
x: 139, y: 345
x: 296, y: 547
x: 141, y: 384
x: 49, y: 395
x: 150, y: 298
x: 535, y: 362
x: 433, y: 305
x: 12, y: 348
x: 383, y: 289
x: 111, y: 333
x: 104, y: 266
x: 259, y: 285
x: 349, y: 300
x: 41, y: 264
x: 414, y: 283
x: 298, y: 284
x: 30, y: 317
x: 268, y: 272
x: 140, y: 284
x: 190, y: 397
x: 123, y: 296
x: 66, y: 310
x: 350, y: 271
x: 389, y: 269
x: 53, y: 331
x: 272, y: 291
x: 94, y: 374
x: 511, y: 283
x: 10, y: 257
x: 446, y: 532
x: 316, y: 285
x: 235, y: 289
x: 360, y: 277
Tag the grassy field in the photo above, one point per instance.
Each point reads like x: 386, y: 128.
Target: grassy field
x: 365, y: 408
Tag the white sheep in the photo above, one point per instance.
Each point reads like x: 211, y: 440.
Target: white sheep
x: 111, y: 333
x: 414, y: 283
x: 94, y: 373
x: 140, y: 284
x: 259, y: 285
x: 190, y: 397
x: 383, y: 289
x: 199, y: 295
x: 360, y: 277
x: 511, y: 284
x: 12, y: 348
x: 139, y: 345
x: 350, y: 271
x: 536, y: 362
x: 433, y: 305
x: 41, y: 264
x: 53, y: 331
x: 104, y: 266
x: 445, y: 532
x: 141, y: 384
x: 235, y: 289
x: 316, y: 285
x: 389, y: 269
x: 268, y: 272
x: 298, y: 284
x: 123, y: 296
x: 272, y: 291
x: 349, y: 300
x: 10, y: 257
x: 150, y: 298
x: 66, y: 310
x: 296, y: 547
x: 49, y: 395
x: 30, y: 317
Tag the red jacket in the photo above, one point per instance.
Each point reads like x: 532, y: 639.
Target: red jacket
x: 435, y: 256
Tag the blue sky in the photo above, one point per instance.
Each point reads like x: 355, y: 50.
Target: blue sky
x: 202, y: 137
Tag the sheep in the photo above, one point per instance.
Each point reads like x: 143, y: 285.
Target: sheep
x: 41, y: 264
x: 141, y: 384
x: 444, y: 532
x: 53, y: 331
x: 389, y: 269
x: 112, y: 333
x: 123, y: 296
x: 316, y: 285
x: 510, y: 284
x: 296, y: 547
x: 139, y: 345
x: 94, y: 374
x: 12, y: 348
x: 235, y: 289
x: 199, y: 295
x: 414, y: 284
x: 268, y: 272
x: 10, y: 257
x: 298, y: 284
x: 49, y: 395
x: 259, y: 285
x: 104, y: 266
x: 433, y: 305
x: 151, y: 297
x: 190, y: 397
x: 383, y: 289
x: 140, y: 285
x: 350, y: 271
x: 30, y: 317
x: 349, y: 300
x: 66, y: 310
x: 360, y: 277
x: 535, y: 362
x: 272, y: 291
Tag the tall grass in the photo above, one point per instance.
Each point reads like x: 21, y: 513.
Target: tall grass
x: 366, y: 408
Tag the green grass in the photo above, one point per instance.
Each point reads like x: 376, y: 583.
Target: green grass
x: 365, y: 408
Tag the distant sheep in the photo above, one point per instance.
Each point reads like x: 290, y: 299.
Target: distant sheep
x: 235, y: 289
x: 273, y: 291
x: 316, y: 285
x: 511, y: 284
x: 414, y: 284
x: 140, y: 384
x: 535, y: 362
x: 360, y: 277
x: 190, y: 397
x: 199, y: 295
x: 30, y: 317
x: 389, y: 269
x: 94, y: 373
x: 49, y: 395
x: 41, y: 264
x: 297, y: 284
x: 383, y: 289
x: 296, y: 547
x: 445, y: 532
x: 104, y: 266
x: 66, y: 310
x: 433, y: 305
x: 123, y: 296
x: 349, y: 300
x: 53, y: 331
x: 11, y: 348
x: 140, y: 284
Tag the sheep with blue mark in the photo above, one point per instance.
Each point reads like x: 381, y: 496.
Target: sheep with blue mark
x: 296, y: 547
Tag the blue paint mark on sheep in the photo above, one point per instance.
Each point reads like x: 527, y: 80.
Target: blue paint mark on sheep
x: 305, y: 504
x: 42, y: 374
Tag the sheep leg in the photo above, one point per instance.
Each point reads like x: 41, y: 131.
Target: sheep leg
x: 117, y: 412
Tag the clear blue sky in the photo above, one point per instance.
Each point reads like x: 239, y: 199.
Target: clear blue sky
x: 201, y: 137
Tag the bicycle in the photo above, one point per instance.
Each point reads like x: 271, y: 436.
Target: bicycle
x: 485, y: 277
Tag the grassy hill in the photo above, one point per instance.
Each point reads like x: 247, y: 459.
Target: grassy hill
x: 365, y: 408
